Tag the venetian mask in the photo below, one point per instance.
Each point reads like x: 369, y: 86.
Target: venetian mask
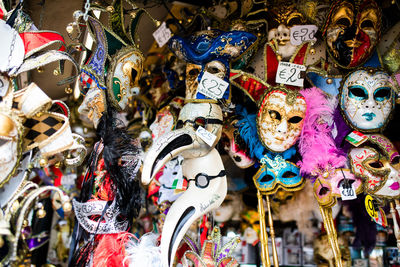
x: 277, y: 173
x: 93, y: 105
x: 163, y: 123
x: 283, y: 17
x: 378, y: 162
x: 230, y: 209
x: 328, y: 183
x: 9, y: 147
x: 126, y: 70
x: 280, y: 118
x: 323, y: 254
x: 352, y: 31
x: 192, y: 75
x: 367, y: 100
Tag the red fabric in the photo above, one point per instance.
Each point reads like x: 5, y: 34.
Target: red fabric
x: 204, y: 230
x: 36, y: 40
x: 248, y: 83
x: 272, y: 63
x: 110, y: 250
x: 58, y: 175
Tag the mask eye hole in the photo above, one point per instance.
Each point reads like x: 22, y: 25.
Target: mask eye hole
x: 395, y: 160
x: 382, y: 94
x: 358, y: 92
x: 324, y: 190
x: 133, y: 74
x: 275, y: 115
x: 213, y: 70
x: 179, y: 124
x: 194, y: 72
x: 376, y: 164
x: 267, y: 178
x: 295, y: 119
x: 200, y: 122
x: 367, y: 24
x: 289, y: 174
x: 343, y: 22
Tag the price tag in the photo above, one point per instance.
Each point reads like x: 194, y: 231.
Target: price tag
x: 302, y: 33
x: 290, y: 74
x: 162, y: 34
x: 356, y: 138
x: 212, y: 86
x: 68, y: 179
x: 347, y: 191
x: 4, y: 84
x: 206, y: 136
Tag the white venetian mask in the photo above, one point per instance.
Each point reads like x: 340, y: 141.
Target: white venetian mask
x: 367, y: 100
x: 280, y: 118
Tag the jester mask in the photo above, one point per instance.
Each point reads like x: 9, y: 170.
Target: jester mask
x: 367, y: 100
x: 352, y: 30
x: 378, y: 162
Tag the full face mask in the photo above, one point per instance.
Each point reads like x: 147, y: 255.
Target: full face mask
x: 280, y: 118
x: 284, y: 17
x: 352, y: 30
x: 367, y: 100
x: 93, y: 105
x: 277, y: 173
x: 126, y: 70
x: 378, y: 163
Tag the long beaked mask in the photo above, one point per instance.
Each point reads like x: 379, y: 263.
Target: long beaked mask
x: 280, y: 118
x: 367, y: 100
x: 379, y: 164
x: 126, y: 70
x: 284, y: 17
x: 352, y: 31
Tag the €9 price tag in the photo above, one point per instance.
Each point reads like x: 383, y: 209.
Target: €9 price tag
x: 162, y: 34
x: 212, y: 86
x: 347, y: 191
x: 206, y: 136
x: 290, y: 74
x: 302, y: 33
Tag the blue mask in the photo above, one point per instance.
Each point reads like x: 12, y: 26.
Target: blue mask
x: 277, y: 173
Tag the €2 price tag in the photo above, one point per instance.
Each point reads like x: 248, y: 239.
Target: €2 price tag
x: 212, y: 86
x: 302, y: 33
x: 206, y: 136
x: 347, y: 191
x: 290, y: 74
x: 162, y: 34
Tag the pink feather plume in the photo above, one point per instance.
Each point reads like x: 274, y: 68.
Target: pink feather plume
x: 316, y: 144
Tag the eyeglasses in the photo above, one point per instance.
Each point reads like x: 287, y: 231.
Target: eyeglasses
x: 202, y: 180
x: 199, y: 121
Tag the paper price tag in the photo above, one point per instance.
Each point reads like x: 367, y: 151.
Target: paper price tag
x: 376, y: 213
x: 4, y: 84
x: 162, y: 34
x: 356, y: 138
x: 68, y: 179
x: 347, y: 192
x: 206, y: 136
x: 290, y: 74
x: 302, y: 33
x: 212, y: 86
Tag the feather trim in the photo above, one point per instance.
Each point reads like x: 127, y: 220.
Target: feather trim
x: 143, y: 253
x: 316, y: 144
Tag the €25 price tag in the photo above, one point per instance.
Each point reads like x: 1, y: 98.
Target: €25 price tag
x: 206, y: 136
x: 347, y: 191
x: 302, y: 33
x: 290, y: 74
x: 162, y: 34
x: 212, y: 86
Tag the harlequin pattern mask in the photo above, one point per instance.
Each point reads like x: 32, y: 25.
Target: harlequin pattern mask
x: 283, y: 17
x: 367, y: 100
x: 378, y: 163
x: 277, y: 173
x: 280, y: 118
x: 352, y: 31
x: 126, y: 70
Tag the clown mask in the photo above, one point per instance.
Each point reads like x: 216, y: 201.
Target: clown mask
x: 367, y: 100
x: 378, y: 163
x: 126, y: 69
x: 283, y: 17
x: 352, y: 31
x: 280, y: 118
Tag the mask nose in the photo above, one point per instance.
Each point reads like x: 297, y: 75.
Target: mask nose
x: 370, y: 104
x: 282, y: 127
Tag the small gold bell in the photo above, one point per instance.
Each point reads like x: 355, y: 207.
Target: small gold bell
x: 312, y: 51
x: 43, y: 162
x: 325, y: 175
x: 15, y: 206
x: 133, y: 14
x: 329, y: 81
x: 110, y: 9
x: 68, y: 90
x: 69, y: 28
x: 279, y: 57
x: 40, y: 69
x: 67, y: 207
x: 41, y: 213
x: 158, y: 23
x: 189, y: 20
x: 56, y: 72
x: 57, y: 164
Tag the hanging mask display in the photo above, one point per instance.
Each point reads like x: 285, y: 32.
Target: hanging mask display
x: 379, y: 164
x: 280, y: 118
x: 367, y: 99
x: 352, y: 30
